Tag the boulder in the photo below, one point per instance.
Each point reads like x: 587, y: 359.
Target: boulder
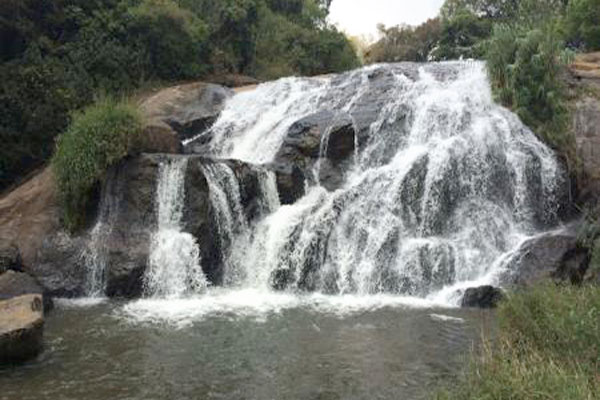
x: 158, y: 137
x: 320, y: 143
x: 550, y: 255
x: 14, y: 284
x: 21, y: 328
x: 188, y: 109
x: 482, y: 297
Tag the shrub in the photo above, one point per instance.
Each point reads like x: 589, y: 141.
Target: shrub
x: 97, y: 138
x: 582, y: 23
x: 548, y: 348
x: 524, y: 67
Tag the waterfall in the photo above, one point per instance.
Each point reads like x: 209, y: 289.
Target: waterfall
x: 95, y: 254
x: 174, y: 266
x: 444, y: 185
x: 442, y: 188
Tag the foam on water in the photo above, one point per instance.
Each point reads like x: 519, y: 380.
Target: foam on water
x: 258, y: 305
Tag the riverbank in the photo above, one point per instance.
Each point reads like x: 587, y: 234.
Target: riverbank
x: 548, y: 347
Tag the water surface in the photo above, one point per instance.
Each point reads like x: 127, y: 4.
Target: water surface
x: 314, y: 349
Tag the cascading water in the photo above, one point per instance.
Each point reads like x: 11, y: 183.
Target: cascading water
x: 95, y: 255
x: 445, y: 184
x: 174, y: 267
x: 442, y: 189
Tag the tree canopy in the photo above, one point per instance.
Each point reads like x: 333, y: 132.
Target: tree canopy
x: 56, y: 56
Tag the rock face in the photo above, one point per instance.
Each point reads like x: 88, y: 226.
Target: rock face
x: 21, y: 328
x: 14, y: 284
x: 186, y: 109
x: 319, y: 144
x: 586, y: 125
x: 28, y: 215
x: 482, y: 297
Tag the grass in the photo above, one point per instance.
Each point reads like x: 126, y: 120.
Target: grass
x: 97, y: 138
x: 548, y: 348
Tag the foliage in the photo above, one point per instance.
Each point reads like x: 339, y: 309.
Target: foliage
x: 524, y: 67
x: 97, y: 138
x: 582, y: 23
x: 405, y: 43
x: 55, y: 56
x: 462, y: 36
x: 548, y: 348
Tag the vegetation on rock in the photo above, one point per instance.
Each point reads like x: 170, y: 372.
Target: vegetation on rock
x: 98, y: 137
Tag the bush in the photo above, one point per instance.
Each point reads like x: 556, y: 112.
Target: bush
x: 524, y: 67
x: 97, y: 138
x: 548, y: 348
x: 582, y: 23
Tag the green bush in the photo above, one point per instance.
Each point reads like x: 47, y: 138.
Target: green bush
x: 548, y: 347
x: 524, y: 67
x: 97, y: 138
x: 582, y: 23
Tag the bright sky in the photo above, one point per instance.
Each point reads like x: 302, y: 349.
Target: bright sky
x: 360, y: 17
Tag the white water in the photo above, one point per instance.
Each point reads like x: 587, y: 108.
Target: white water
x: 95, y: 254
x: 442, y: 192
x: 174, y: 267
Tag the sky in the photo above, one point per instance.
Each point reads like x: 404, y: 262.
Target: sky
x: 360, y: 17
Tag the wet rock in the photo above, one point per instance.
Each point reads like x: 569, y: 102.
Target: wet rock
x: 59, y: 268
x: 14, y: 284
x: 21, y: 328
x: 546, y: 256
x: 291, y: 182
x: 188, y: 109
x: 482, y: 297
x: 132, y: 224
x: 323, y: 141
x: 10, y: 259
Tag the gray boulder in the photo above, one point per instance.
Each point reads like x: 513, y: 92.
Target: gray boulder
x: 482, y: 297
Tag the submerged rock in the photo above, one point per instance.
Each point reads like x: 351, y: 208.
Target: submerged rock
x: 482, y: 297
x: 21, y: 328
